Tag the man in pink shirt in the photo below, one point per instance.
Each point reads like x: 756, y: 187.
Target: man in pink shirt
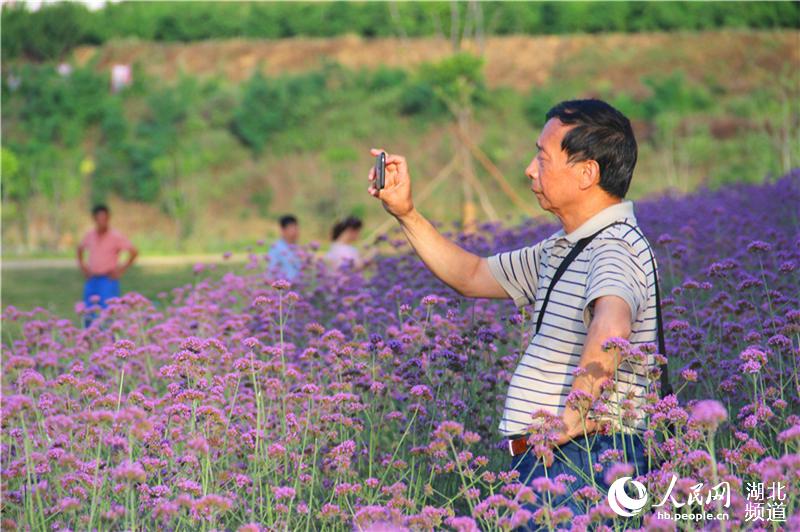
x: 103, y: 270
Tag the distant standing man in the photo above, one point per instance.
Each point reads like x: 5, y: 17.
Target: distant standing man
x: 103, y: 269
x: 580, y: 172
x: 284, y: 258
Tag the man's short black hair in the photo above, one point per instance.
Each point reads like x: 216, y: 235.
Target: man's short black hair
x: 603, y: 134
x: 287, y: 220
x: 97, y: 209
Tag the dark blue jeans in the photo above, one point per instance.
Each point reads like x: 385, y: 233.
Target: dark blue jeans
x: 101, y: 286
x: 572, y: 458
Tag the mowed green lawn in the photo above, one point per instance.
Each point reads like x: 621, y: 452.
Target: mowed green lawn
x: 58, y: 289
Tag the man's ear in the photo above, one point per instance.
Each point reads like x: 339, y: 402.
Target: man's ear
x: 589, y: 174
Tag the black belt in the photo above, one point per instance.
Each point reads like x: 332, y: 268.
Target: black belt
x: 518, y: 444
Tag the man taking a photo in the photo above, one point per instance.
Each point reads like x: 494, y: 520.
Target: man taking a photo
x: 585, y: 156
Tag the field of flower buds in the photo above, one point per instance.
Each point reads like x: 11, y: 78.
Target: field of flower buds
x: 369, y: 401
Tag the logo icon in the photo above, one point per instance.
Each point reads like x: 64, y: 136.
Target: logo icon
x: 621, y: 502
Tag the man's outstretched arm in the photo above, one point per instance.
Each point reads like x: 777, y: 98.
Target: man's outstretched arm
x: 465, y: 272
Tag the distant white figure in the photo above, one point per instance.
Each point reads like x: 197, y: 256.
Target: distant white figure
x: 13, y: 81
x: 64, y: 69
x: 121, y: 77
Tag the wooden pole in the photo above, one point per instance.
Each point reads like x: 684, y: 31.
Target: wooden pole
x: 429, y: 188
x: 483, y: 198
x: 494, y: 172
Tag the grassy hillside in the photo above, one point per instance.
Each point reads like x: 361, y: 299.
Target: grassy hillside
x: 217, y: 138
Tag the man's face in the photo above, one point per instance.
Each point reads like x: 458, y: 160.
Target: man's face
x: 553, y: 179
x: 290, y: 233
x: 101, y: 220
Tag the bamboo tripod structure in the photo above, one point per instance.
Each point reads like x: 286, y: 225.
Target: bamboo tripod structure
x: 457, y: 95
x: 462, y: 161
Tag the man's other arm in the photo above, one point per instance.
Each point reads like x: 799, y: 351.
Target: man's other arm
x: 612, y: 319
x: 81, y: 263
x: 616, y: 288
x: 119, y: 271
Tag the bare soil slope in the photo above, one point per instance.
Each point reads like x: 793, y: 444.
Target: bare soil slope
x: 520, y: 62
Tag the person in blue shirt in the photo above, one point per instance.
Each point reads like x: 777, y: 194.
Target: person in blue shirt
x: 284, y: 257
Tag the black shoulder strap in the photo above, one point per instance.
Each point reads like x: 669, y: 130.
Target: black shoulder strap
x: 666, y: 387
x: 574, y: 252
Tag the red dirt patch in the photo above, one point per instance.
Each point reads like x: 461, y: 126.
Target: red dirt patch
x: 520, y: 62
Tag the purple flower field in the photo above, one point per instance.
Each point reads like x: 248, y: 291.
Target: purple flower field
x: 370, y: 402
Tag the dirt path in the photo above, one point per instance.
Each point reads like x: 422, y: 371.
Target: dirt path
x: 178, y: 260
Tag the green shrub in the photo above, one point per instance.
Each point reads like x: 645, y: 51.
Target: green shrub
x: 674, y: 94
x: 438, y: 86
x: 540, y: 101
x: 55, y: 108
x: 418, y: 98
x: 384, y: 78
x: 271, y: 105
x: 48, y: 33
x: 260, y: 113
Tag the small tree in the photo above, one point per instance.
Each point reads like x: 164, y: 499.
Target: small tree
x: 672, y: 99
x: 17, y: 190
x: 261, y: 112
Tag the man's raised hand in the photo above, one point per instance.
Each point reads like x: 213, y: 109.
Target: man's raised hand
x: 396, y: 192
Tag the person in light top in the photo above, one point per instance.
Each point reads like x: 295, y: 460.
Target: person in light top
x: 284, y: 258
x: 342, y: 252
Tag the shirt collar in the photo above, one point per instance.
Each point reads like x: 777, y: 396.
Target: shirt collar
x: 611, y: 214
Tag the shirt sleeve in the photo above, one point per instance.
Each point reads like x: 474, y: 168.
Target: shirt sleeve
x: 517, y: 272
x: 123, y: 243
x: 276, y: 257
x: 615, y: 270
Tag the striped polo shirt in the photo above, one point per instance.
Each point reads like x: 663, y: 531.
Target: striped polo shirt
x: 617, y: 262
